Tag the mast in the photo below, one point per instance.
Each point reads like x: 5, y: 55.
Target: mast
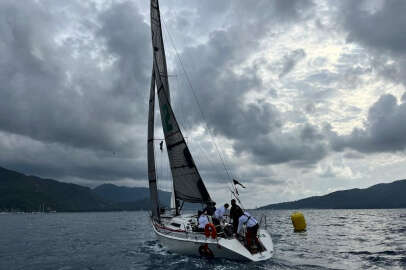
x: 153, y: 190
x: 188, y: 185
x: 158, y: 47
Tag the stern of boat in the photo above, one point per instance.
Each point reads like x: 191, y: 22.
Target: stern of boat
x: 237, y: 247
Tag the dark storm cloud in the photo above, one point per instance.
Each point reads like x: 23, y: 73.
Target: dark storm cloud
x: 221, y: 90
x: 384, y: 130
x: 382, y: 30
x: 75, y: 78
x: 49, y: 95
x: 79, y: 96
x: 302, y: 147
x: 353, y: 155
x: 128, y: 38
x: 258, y: 11
x: 253, y: 126
x: 266, y: 11
x: 64, y: 163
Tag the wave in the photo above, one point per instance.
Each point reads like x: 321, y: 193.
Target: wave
x: 385, y: 252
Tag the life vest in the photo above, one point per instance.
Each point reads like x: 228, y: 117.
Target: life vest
x: 210, y: 229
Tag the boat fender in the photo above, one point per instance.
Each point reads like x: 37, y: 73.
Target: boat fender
x: 205, y: 251
x: 298, y: 221
x: 210, y: 229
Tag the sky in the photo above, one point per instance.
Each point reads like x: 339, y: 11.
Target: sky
x: 297, y: 97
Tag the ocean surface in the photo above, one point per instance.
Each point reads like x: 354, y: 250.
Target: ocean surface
x: 335, y: 239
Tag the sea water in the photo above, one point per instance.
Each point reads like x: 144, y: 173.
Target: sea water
x: 335, y: 239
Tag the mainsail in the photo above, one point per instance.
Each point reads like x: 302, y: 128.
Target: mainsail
x: 153, y: 190
x: 188, y: 185
x: 158, y: 47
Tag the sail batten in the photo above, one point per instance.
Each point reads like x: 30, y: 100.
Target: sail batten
x: 187, y: 182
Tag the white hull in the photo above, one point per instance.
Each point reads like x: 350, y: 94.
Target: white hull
x: 189, y: 243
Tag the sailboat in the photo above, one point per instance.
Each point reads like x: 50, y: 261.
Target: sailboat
x: 178, y: 231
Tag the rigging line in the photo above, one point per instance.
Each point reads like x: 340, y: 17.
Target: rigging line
x: 193, y: 144
x: 195, y: 96
x: 157, y: 176
x: 159, y: 155
x: 201, y: 111
x: 161, y: 166
x: 203, y: 155
x: 183, y: 119
x: 214, y: 168
x: 174, y: 94
x: 196, y: 144
x: 162, y: 88
x: 169, y: 178
x: 165, y: 168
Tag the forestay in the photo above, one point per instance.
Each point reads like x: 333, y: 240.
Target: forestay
x: 188, y: 185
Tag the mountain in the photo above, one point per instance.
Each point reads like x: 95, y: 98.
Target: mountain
x: 390, y: 195
x: 19, y: 192
x: 119, y: 194
x: 30, y: 193
x: 128, y: 198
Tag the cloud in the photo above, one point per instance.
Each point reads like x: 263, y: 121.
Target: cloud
x: 75, y: 78
x: 67, y: 163
x: 383, y: 130
x: 78, y: 78
x: 303, y: 146
x: 127, y: 37
x: 290, y: 60
x: 73, y: 82
x: 223, y: 82
x: 57, y: 92
x: 382, y: 29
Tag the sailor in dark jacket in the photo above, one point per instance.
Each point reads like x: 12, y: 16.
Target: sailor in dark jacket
x: 210, y: 208
x: 235, y: 214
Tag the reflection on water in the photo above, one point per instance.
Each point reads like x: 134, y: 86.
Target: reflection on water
x: 335, y: 239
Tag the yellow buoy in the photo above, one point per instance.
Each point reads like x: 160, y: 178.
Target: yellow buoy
x: 298, y: 222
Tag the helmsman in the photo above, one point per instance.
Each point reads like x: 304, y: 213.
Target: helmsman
x: 252, y: 227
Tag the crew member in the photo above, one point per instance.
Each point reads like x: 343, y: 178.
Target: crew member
x: 203, y: 220
x: 219, y: 214
x: 235, y: 213
x: 210, y: 208
x: 252, y: 227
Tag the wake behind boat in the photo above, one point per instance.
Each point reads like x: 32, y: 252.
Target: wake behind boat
x: 179, y: 232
